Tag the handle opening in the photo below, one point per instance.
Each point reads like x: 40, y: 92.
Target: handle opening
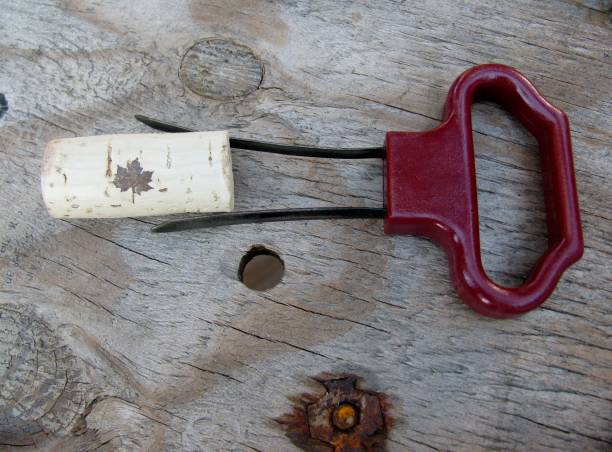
x: 511, y: 213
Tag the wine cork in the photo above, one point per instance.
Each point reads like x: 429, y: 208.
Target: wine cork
x: 112, y: 176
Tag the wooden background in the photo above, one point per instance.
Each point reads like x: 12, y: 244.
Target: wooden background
x: 115, y: 338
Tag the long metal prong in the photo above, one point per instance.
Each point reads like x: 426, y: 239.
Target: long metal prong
x: 273, y: 148
x: 307, y: 151
x: 265, y: 216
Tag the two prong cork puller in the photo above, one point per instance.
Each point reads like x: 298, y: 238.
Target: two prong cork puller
x: 430, y: 184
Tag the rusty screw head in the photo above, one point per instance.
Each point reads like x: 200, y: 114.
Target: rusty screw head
x: 345, y: 416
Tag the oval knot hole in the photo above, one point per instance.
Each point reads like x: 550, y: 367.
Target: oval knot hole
x: 221, y: 69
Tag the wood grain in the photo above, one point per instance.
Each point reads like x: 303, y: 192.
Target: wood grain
x: 118, y: 339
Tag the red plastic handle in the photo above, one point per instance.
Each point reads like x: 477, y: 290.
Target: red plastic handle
x: 430, y: 190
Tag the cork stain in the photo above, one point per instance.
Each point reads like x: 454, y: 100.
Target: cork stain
x: 109, y: 160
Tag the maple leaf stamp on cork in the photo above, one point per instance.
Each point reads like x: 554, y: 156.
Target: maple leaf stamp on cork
x: 111, y: 176
x: 133, y: 177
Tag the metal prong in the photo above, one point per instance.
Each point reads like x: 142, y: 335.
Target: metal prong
x: 265, y: 216
x: 163, y: 126
x: 273, y: 148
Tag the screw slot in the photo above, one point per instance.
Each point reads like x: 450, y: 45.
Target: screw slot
x: 261, y: 268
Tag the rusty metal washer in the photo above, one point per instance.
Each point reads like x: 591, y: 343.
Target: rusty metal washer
x: 345, y: 418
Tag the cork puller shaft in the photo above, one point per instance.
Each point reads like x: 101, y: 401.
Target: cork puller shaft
x: 429, y: 184
x: 430, y: 188
x: 265, y: 216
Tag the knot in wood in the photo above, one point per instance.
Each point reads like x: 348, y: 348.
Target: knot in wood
x: 40, y: 391
x: 221, y: 69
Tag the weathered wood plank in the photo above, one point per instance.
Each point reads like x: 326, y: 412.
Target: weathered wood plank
x: 114, y: 337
